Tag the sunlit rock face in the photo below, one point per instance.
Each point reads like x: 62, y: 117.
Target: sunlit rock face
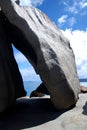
x: 46, y: 48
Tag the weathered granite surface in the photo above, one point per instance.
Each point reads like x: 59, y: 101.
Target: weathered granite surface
x: 38, y: 114
x: 46, y: 48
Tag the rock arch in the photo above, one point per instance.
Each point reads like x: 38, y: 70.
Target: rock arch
x: 46, y: 48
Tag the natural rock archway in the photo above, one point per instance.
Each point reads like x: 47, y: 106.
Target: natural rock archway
x: 46, y: 48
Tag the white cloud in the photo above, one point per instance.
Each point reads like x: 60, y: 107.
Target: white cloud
x: 78, y: 41
x: 31, y: 2
x: 20, y: 58
x: 25, y: 3
x: 62, y: 19
x: 83, y: 4
x: 37, y: 2
x: 74, y: 6
x: 71, y: 21
x: 28, y: 74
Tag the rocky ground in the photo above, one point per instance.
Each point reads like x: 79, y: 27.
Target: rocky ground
x: 38, y: 114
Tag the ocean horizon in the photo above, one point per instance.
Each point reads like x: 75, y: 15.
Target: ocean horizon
x: 32, y: 85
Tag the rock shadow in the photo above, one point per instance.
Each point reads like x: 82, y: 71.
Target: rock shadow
x: 28, y: 113
x: 85, y: 109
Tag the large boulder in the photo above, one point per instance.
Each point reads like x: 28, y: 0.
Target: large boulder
x: 11, y: 85
x: 40, y: 91
x: 46, y: 48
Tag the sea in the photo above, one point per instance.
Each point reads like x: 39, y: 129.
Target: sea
x: 83, y: 82
x: 32, y: 85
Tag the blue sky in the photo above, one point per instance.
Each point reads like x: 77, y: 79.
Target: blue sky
x: 71, y: 17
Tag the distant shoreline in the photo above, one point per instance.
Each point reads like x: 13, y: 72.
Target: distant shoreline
x: 83, y: 80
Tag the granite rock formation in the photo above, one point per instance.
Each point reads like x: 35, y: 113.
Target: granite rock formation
x: 40, y: 91
x: 11, y: 85
x: 46, y: 48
